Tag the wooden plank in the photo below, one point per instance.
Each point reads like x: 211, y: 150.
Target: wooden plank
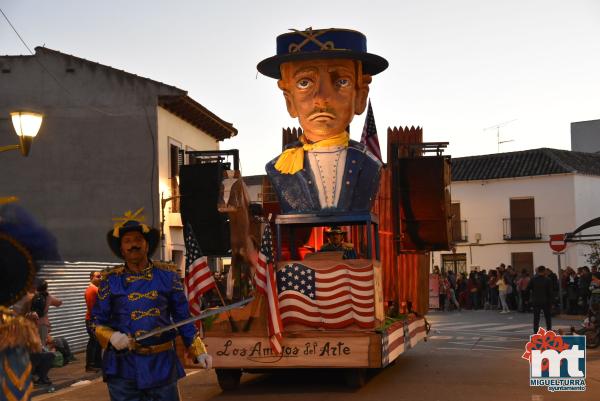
x: 378, y: 287
x: 256, y: 310
x: 300, y: 352
x: 375, y: 351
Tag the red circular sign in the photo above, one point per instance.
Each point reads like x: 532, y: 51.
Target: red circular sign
x: 557, y: 242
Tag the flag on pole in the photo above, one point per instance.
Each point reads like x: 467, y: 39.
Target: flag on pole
x: 369, y: 134
x: 199, y: 278
x: 266, y: 284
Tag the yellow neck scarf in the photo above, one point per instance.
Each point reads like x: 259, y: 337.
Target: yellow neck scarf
x: 292, y: 160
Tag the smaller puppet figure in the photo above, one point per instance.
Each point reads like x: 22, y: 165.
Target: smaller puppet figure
x: 336, y: 243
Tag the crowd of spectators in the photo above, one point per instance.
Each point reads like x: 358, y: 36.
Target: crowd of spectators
x: 34, y: 306
x: 506, y: 289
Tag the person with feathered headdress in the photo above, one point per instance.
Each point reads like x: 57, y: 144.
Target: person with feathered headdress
x: 23, y: 242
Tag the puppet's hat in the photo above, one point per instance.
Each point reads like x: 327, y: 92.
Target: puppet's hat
x: 312, y: 44
x: 23, y: 241
x: 334, y: 230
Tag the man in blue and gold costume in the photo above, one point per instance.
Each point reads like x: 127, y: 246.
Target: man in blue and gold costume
x: 22, y: 242
x: 135, y: 298
x: 335, y: 243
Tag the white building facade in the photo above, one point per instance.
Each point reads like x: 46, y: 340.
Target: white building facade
x: 183, y: 125
x: 506, y: 205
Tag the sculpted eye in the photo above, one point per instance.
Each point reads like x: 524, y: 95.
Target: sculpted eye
x: 303, y: 83
x: 343, y: 82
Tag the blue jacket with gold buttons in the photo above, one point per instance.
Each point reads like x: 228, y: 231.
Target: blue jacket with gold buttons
x: 297, y: 193
x: 18, y: 338
x: 135, y: 303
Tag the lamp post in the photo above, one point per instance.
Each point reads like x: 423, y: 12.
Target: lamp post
x: 27, y: 125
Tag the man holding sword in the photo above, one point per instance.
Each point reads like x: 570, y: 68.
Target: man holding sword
x: 136, y: 298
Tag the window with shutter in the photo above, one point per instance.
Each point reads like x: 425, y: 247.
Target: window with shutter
x: 522, y: 219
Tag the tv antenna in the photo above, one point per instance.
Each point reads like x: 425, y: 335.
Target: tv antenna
x: 497, y: 127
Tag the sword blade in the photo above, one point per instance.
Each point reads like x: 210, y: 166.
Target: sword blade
x: 205, y: 314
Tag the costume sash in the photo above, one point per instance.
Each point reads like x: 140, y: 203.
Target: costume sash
x: 292, y: 160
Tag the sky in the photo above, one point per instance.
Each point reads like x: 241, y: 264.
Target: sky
x: 457, y: 67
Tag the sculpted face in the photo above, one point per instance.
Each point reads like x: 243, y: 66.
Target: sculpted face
x: 134, y: 247
x: 324, y: 94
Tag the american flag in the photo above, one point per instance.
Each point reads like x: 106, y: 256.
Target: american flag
x: 332, y: 298
x: 265, y: 284
x: 369, y: 134
x: 199, y: 278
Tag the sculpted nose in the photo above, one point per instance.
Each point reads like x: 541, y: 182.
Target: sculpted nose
x: 323, y: 92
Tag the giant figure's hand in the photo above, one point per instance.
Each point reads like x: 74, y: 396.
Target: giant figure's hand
x: 120, y: 341
x: 205, y: 360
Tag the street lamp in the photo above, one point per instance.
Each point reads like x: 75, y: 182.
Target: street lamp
x: 27, y: 125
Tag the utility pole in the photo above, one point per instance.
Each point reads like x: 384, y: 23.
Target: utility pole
x: 497, y: 127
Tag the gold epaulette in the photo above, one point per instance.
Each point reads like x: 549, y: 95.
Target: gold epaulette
x: 17, y: 331
x: 348, y: 245
x: 172, y: 267
x: 112, y: 270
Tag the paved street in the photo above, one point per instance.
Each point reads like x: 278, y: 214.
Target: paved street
x: 471, y: 355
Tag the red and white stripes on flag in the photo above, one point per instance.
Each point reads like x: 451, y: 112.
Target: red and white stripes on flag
x: 331, y: 298
x: 265, y: 284
x: 369, y: 134
x: 199, y: 278
x: 198, y: 281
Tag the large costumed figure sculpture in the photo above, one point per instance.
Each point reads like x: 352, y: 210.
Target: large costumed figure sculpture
x: 324, y: 75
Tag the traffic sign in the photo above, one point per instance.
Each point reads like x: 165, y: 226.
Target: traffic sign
x: 557, y: 242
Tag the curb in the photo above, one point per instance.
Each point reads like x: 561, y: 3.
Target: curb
x: 570, y: 317
x: 43, y: 390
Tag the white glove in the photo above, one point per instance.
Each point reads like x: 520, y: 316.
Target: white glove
x: 120, y: 340
x: 205, y: 361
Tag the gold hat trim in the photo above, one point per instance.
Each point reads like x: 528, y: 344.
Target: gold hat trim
x: 311, y: 36
x: 128, y: 216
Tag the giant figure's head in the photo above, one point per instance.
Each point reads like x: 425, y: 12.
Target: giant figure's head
x: 324, y: 75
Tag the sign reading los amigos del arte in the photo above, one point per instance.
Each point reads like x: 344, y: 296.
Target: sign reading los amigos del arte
x: 318, y: 349
x: 310, y: 352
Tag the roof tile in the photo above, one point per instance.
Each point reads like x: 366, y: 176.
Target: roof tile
x: 543, y: 161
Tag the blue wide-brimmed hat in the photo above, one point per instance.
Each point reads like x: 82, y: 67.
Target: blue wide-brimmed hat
x: 334, y: 230
x: 312, y: 44
x: 23, y: 242
x: 132, y: 222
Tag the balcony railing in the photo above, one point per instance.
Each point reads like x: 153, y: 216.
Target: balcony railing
x: 524, y: 228
x: 459, y: 231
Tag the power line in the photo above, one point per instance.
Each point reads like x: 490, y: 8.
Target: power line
x: 68, y: 92
x: 14, y: 29
x: 60, y: 85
